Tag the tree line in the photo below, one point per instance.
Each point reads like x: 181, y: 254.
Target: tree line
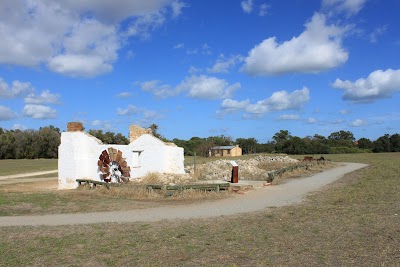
x: 284, y: 142
x: 43, y: 143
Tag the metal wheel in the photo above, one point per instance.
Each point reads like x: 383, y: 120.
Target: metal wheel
x: 113, y: 166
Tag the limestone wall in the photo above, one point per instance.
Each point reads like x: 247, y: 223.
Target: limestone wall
x: 79, y: 153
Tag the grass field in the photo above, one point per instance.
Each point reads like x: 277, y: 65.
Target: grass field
x: 353, y: 222
x: 18, y: 166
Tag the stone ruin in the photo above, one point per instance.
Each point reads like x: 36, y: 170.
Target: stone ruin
x: 82, y: 156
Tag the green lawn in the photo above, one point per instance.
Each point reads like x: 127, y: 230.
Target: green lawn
x: 18, y: 166
x: 353, y: 222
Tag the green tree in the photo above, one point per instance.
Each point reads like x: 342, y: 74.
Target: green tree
x: 341, y: 138
x: 248, y: 145
x: 395, y: 142
x: 365, y: 143
x: 49, y: 139
x: 382, y: 144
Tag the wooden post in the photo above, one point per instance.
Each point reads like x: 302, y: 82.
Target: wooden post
x: 235, y: 172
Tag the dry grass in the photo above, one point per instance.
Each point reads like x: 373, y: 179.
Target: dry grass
x: 353, y: 222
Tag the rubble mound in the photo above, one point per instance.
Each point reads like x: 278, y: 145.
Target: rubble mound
x: 256, y: 168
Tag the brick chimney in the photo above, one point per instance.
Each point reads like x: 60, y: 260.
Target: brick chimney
x: 75, y: 126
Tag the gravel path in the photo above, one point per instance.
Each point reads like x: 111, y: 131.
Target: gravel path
x: 26, y: 174
x: 273, y: 196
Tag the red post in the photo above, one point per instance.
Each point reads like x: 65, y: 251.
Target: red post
x: 235, y: 172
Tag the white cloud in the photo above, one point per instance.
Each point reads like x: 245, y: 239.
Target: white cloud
x: 247, y: 5
x: 280, y: 100
x: 103, y: 125
x: 358, y: 123
x: 263, y: 10
x: 230, y: 105
x: 124, y: 95
x: 318, y: 48
x: 18, y: 126
x: 379, y: 84
x: 142, y: 115
x: 39, y: 112
x: 293, y: 117
x: 344, y: 111
x: 178, y: 46
x: 44, y: 98
x: 177, y: 7
x: 373, y: 37
x: 350, y: 7
x: 16, y: 89
x: 145, y: 24
x: 159, y: 89
x: 207, y: 87
x: 312, y: 120
x: 130, y: 110
x: 76, y: 38
x: 223, y: 64
x: 6, y: 114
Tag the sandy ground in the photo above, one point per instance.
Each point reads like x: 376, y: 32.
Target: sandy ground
x: 288, y: 193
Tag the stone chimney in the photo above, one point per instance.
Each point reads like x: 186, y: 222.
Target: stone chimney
x: 75, y: 126
x: 135, y: 131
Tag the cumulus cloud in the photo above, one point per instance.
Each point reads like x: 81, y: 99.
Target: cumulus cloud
x: 6, y: 114
x: 223, y: 64
x: 39, y: 112
x: 379, y: 84
x: 159, y: 89
x: 207, y: 87
x: 76, y: 38
x: 350, y: 7
x: 281, y: 100
x: 358, y: 123
x: 15, y: 89
x: 46, y: 97
x: 317, y: 49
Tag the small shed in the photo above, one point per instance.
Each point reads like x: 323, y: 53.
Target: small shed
x: 225, y: 151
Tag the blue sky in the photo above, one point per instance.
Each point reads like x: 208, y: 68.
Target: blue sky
x: 201, y: 68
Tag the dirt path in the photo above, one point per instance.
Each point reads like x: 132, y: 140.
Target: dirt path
x: 26, y: 174
x: 275, y: 196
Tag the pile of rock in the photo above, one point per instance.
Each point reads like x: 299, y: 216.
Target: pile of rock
x: 248, y: 169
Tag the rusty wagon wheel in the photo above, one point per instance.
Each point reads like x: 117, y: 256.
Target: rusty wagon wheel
x: 113, y: 166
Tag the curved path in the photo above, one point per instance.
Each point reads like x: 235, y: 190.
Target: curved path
x: 274, y: 196
x: 27, y: 174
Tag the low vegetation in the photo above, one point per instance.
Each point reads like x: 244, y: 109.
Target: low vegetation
x: 353, y: 222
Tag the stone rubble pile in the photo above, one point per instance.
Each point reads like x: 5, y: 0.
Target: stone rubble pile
x: 248, y: 169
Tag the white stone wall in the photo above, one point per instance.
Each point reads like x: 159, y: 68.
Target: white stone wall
x: 79, y: 152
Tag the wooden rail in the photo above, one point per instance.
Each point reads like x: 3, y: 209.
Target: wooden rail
x: 206, y: 187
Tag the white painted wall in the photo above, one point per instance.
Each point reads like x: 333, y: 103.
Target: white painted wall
x: 79, y: 152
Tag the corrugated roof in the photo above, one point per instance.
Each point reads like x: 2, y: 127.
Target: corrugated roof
x: 223, y: 147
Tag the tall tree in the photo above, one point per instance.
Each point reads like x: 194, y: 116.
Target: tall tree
x: 248, y: 145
